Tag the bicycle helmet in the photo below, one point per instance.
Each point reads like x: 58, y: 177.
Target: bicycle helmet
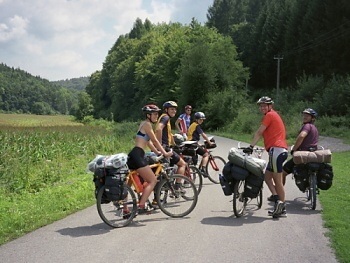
x: 149, y: 108
x: 199, y: 115
x: 188, y: 107
x: 310, y: 111
x: 265, y: 100
x: 169, y: 104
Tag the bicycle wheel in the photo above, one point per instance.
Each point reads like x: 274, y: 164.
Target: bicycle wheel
x: 195, y: 175
x: 239, y: 201
x: 214, y: 168
x: 117, y: 213
x: 312, y: 191
x: 259, y: 198
x: 176, y: 203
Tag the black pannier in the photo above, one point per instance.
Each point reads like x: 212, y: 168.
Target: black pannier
x: 301, y: 176
x: 325, y: 177
x: 226, y: 186
x: 115, y: 184
x: 234, y: 172
x: 253, y: 184
x: 99, y: 180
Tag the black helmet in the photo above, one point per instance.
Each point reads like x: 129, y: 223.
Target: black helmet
x: 199, y: 115
x: 149, y: 108
x: 265, y: 100
x: 310, y: 111
x: 169, y: 104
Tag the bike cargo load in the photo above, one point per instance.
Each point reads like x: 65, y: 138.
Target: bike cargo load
x: 253, y: 165
x: 301, y: 176
x: 234, y: 172
x: 325, y: 177
x: 319, y: 156
x: 253, y: 184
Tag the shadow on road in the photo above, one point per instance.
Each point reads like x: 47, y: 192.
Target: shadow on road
x: 81, y: 231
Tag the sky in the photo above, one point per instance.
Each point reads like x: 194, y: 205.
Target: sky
x: 64, y: 39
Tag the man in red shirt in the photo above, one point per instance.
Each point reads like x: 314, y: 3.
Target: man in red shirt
x: 273, y: 131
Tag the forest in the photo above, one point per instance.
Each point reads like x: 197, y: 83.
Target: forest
x: 224, y: 66
x: 221, y: 67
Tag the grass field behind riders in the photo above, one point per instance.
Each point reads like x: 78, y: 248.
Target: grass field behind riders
x: 43, y: 176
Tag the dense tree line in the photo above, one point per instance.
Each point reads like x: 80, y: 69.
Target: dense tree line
x: 191, y: 64
x: 21, y: 92
x: 311, y: 36
x: 78, y: 84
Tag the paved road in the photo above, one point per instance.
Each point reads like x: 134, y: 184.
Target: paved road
x: 211, y: 233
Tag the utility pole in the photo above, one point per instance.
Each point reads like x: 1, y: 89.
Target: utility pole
x: 278, y: 74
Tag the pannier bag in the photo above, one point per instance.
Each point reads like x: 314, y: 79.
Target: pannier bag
x: 301, y: 176
x: 319, y: 156
x: 233, y: 172
x: 253, y: 184
x: 325, y: 177
x: 99, y: 181
x: 226, y: 186
x: 115, y: 185
x: 253, y: 165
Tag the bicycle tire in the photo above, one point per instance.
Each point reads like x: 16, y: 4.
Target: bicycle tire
x: 112, y: 213
x: 239, y: 201
x: 214, y: 168
x: 312, y: 191
x: 196, y: 177
x: 173, y: 203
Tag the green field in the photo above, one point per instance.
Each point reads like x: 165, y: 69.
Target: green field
x: 43, y: 176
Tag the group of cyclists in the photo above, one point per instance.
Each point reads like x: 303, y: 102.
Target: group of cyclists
x: 160, y: 141
x: 272, y: 130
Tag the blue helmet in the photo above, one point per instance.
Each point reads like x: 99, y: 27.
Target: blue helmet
x: 310, y: 111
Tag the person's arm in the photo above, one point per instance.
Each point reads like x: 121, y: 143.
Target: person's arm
x: 154, y: 142
x: 299, y: 140
x: 177, y: 124
x: 258, y: 135
x: 205, y: 137
x: 159, y: 131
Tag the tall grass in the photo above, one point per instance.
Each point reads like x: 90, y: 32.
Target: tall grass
x: 42, y: 168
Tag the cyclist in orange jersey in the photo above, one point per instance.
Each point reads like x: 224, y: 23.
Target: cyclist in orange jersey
x: 273, y: 131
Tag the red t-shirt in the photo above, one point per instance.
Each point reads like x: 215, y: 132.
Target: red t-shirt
x: 275, y: 133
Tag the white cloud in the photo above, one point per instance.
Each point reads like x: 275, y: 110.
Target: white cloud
x: 67, y: 39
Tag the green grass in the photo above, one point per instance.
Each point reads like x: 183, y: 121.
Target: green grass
x: 336, y: 206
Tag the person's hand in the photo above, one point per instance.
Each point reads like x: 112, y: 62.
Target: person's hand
x: 169, y: 154
x: 248, y: 150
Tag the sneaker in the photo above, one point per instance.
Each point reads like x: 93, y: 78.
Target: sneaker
x: 178, y: 191
x: 154, y: 202
x: 279, y: 207
x: 284, y: 213
x: 204, y: 173
x: 186, y: 184
x: 270, y: 198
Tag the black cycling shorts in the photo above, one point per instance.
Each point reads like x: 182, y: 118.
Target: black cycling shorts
x: 201, y: 151
x: 175, y: 158
x: 136, y: 158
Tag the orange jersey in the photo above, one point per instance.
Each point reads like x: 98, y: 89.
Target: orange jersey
x: 275, y: 133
